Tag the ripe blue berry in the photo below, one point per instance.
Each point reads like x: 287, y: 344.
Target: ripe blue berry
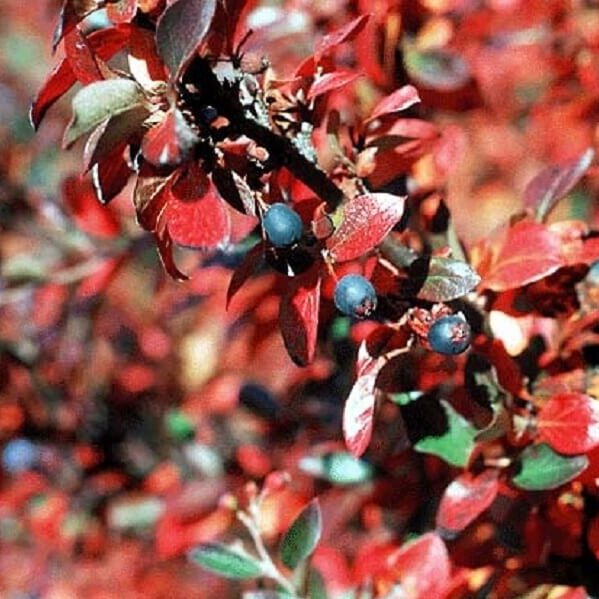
x: 282, y: 225
x: 19, y: 455
x: 450, y: 335
x: 355, y: 296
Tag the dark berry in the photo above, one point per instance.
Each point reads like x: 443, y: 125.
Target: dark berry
x: 355, y: 296
x: 282, y: 225
x: 450, y: 335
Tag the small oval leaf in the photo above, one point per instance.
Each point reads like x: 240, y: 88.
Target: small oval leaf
x: 98, y: 101
x: 303, y: 535
x: 366, y: 221
x: 541, y: 468
x: 226, y: 561
x: 446, y: 279
x: 569, y: 422
x: 465, y: 498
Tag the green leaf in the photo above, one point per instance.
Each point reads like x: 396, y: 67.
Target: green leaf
x: 447, y: 279
x: 541, y: 468
x: 98, y: 101
x: 303, y: 535
x: 316, y: 586
x: 226, y: 561
x: 340, y: 468
x: 455, y: 444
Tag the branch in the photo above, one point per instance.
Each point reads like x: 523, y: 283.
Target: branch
x: 224, y: 96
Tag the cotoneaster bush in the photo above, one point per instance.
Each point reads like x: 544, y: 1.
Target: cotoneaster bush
x: 378, y: 376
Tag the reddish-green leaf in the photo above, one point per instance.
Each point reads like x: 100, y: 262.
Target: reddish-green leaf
x: 149, y: 198
x: 529, y: 252
x: 115, y: 131
x: 99, y: 101
x: 465, y: 499
x: 540, y: 468
x: 227, y: 561
x: 367, y: 219
x: 329, y: 82
x: 181, y: 30
x: 554, y: 182
x: 437, y: 68
x: 569, y: 422
x: 303, y: 535
x: 298, y: 316
x: 194, y: 211
x: 423, y: 567
x: 400, y: 99
x: 447, y: 279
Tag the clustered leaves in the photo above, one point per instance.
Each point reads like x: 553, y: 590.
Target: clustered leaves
x: 460, y: 378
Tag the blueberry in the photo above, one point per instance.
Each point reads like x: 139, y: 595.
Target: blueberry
x: 19, y: 455
x: 355, y: 296
x: 282, y: 225
x: 450, y: 335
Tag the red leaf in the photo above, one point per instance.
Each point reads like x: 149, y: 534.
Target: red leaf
x: 73, y: 11
x: 181, y: 29
x: 330, y: 82
x: 81, y: 58
x: 111, y: 175
x: 105, y: 43
x: 465, y: 499
x: 164, y: 244
x: 423, y: 567
x: 169, y: 142
x: 529, y: 252
x: 358, y: 412
x: 244, y: 271
x: 298, y: 316
x: 99, y: 280
x: 87, y: 212
x: 194, y: 211
x: 554, y: 182
x: 150, y: 198
x: 343, y: 34
x: 569, y: 422
x: 328, y: 42
x: 400, y: 99
x: 367, y: 219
